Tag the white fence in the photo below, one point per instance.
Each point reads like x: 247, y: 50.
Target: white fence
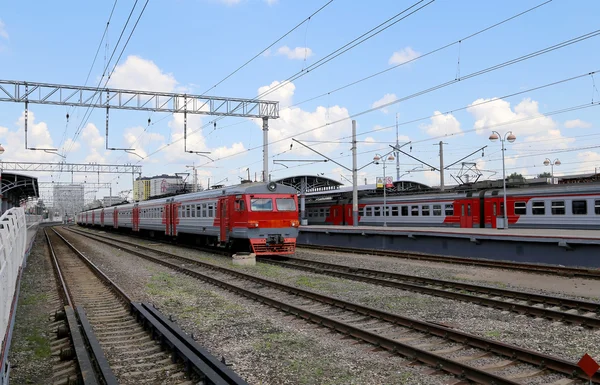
x: 13, y: 245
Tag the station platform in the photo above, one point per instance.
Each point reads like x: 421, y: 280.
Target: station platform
x: 551, y: 246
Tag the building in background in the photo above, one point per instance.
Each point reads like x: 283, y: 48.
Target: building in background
x: 111, y: 200
x: 166, y: 185
x: 68, y: 199
x: 141, y: 189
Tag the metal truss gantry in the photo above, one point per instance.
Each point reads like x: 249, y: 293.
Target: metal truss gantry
x: 137, y: 100
x: 78, y: 96
x: 72, y: 167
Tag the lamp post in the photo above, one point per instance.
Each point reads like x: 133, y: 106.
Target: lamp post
x: 556, y: 162
x: 383, y: 159
x: 511, y: 138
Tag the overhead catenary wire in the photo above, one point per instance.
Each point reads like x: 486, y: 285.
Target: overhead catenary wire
x: 89, y: 109
x: 462, y: 40
x: 439, y: 86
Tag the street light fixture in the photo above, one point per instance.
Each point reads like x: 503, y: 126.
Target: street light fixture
x: 510, y: 137
x: 378, y: 158
x: 556, y: 162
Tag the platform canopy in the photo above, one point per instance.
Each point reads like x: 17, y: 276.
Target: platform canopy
x: 14, y: 187
x: 310, y: 183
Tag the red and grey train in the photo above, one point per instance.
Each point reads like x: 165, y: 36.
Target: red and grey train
x: 257, y: 217
x: 574, y: 206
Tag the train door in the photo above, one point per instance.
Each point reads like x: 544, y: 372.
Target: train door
x: 102, y: 217
x: 116, y: 218
x: 174, y: 217
x: 93, y: 218
x: 224, y: 222
x: 166, y: 218
x: 348, y: 213
x: 466, y: 214
x: 135, y: 217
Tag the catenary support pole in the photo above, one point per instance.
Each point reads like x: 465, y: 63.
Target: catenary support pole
x: 441, y: 165
x: 354, y: 178
x: 396, y: 154
x: 265, y: 149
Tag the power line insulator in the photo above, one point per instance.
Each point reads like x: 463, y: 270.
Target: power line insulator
x: 149, y: 121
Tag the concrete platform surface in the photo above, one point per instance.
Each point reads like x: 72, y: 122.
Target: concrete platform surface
x: 510, y: 234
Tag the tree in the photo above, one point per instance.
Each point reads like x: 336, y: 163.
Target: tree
x: 545, y: 174
x: 516, y: 177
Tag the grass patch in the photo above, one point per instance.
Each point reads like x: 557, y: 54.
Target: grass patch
x: 39, y: 343
x: 263, y: 269
x: 33, y: 299
x: 493, y: 334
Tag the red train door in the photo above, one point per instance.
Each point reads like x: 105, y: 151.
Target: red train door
x: 224, y: 223
x: 116, y: 218
x: 136, y: 218
x: 102, y: 217
x: 466, y: 215
x: 93, y: 217
x: 348, y: 211
x: 166, y: 218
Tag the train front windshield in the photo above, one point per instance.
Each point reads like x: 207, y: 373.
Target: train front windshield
x: 286, y: 204
x: 261, y: 204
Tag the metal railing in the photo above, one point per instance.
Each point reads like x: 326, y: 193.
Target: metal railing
x: 13, y: 245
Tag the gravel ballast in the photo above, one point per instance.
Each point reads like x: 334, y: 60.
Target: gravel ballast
x: 264, y: 345
x: 565, y: 341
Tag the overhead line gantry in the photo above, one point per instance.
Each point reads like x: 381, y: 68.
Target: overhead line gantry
x: 138, y: 100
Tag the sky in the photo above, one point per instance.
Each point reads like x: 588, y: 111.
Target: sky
x: 449, y: 75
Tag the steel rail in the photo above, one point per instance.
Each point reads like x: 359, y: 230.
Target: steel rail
x: 521, y: 266
x: 196, y: 359
x: 92, y: 363
x: 514, y: 352
x: 366, y: 275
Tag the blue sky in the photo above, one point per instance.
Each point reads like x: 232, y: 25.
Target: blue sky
x: 189, y: 45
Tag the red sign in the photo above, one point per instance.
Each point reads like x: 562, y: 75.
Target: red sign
x: 588, y: 365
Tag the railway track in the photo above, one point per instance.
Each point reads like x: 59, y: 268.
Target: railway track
x: 141, y: 345
x: 444, y: 349
x: 521, y: 266
x: 576, y: 312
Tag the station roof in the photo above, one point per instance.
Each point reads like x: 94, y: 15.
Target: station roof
x: 312, y: 182
x: 17, y: 186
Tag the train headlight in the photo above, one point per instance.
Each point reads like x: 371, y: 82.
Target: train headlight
x: 252, y: 224
x: 295, y: 223
x: 272, y: 186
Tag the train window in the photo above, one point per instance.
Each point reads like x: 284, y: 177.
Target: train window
x: 494, y: 209
x: 558, y: 207
x: 377, y: 211
x: 597, y: 207
x: 437, y: 210
x: 285, y: 204
x: 193, y: 211
x: 425, y: 210
x: 361, y: 211
x: 404, y: 211
x: 469, y: 210
x: 261, y: 204
x: 538, y: 208
x: 414, y: 211
x: 327, y: 212
x: 449, y: 209
x: 579, y: 207
x: 211, y: 209
x: 520, y: 208
x: 369, y: 212
x: 199, y: 209
x: 204, y: 210
x: 394, y: 211
x: 321, y: 212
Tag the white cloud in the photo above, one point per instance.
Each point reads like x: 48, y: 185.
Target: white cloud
x: 298, y: 53
x: 442, y: 125
x: 38, y: 136
x: 141, y: 74
x: 95, y: 156
x: 404, y: 55
x: 577, y: 123
x: 386, y: 99
x: 73, y: 146
x: 223, y: 151
x: 3, y: 33
x: 293, y: 121
x: 139, y: 140
x: 283, y: 94
x: 91, y: 136
x: 495, y: 114
x: 369, y: 141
